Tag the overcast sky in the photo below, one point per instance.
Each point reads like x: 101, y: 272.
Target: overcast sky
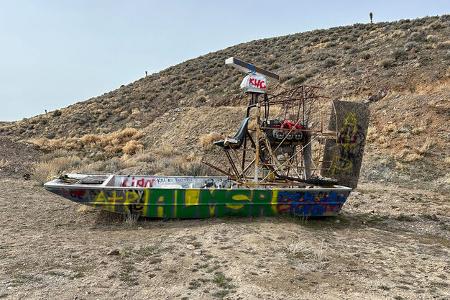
x: 55, y: 53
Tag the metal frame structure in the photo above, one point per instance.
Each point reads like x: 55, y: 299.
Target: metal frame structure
x: 256, y: 161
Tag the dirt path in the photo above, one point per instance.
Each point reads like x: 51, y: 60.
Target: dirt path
x: 52, y: 248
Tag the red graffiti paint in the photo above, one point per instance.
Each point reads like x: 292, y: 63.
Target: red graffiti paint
x: 258, y: 83
x: 137, y: 182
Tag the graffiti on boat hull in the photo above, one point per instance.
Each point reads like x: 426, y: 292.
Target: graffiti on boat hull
x: 204, y: 203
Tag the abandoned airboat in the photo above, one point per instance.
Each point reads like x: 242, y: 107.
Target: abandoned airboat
x: 295, y: 152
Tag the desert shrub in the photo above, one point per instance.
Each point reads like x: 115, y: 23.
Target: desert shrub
x: 284, y: 78
x: 425, y: 148
x: 412, y: 157
x: 206, y: 140
x: 165, y: 150
x: 111, y: 144
x: 444, y: 45
x: 200, y: 99
x: 329, y: 62
x: 447, y: 55
x: 365, y: 56
x: 50, y: 135
x: 113, y: 165
x: 432, y: 38
x: 45, y: 170
x: 405, y: 25
x: 142, y: 156
x: 93, y: 167
x: 417, y: 36
x: 348, y: 46
x: 387, y: 63
x: 55, y: 154
x: 447, y: 160
x: 297, y: 80
x: 3, y: 163
x: 56, y: 113
x: 398, y: 54
x: 436, y: 25
x: 90, y: 139
x: 193, y: 169
x: 131, y: 147
x: 411, y: 45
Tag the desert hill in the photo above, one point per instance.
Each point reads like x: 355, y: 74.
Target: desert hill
x: 156, y: 123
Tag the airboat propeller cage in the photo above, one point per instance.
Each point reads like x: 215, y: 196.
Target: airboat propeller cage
x: 343, y: 156
x: 255, y: 81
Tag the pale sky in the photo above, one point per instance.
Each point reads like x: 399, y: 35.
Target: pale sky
x: 56, y: 53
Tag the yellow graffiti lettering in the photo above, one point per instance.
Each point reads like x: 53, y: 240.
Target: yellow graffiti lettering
x: 131, y: 197
x: 114, y: 198
x: 146, y: 197
x: 274, y: 201
x: 191, y: 197
x: 240, y: 197
x: 212, y: 210
x: 160, y: 211
x: 235, y: 206
x: 101, y: 198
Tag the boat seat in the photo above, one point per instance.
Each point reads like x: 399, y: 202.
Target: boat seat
x: 236, y: 141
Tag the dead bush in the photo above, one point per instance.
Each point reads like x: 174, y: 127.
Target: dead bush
x: 112, y: 144
x: 166, y: 150
x: 411, y: 157
x: 444, y: 45
x: 131, y: 147
x: 45, y: 170
x: 386, y: 63
x: 206, y: 140
x: 425, y: 147
x: 3, y: 163
x: 90, y: 139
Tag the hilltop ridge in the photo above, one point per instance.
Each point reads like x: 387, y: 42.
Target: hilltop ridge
x: 349, y: 61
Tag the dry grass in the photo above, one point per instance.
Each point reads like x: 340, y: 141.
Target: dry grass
x: 132, y: 147
x: 207, y: 140
x: 131, y: 219
x: 85, y: 209
x: 166, y: 150
x: 372, y: 134
x: 3, y: 163
x: 121, y: 141
x: 412, y: 157
x: 314, y: 253
x: 46, y: 170
x: 390, y: 127
x: 424, y: 149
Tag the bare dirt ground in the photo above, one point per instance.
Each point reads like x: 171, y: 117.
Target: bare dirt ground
x: 388, y: 243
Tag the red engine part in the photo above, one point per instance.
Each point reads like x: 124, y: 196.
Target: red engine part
x: 288, y: 124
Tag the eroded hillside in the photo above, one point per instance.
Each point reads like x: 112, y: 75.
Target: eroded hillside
x: 163, y: 122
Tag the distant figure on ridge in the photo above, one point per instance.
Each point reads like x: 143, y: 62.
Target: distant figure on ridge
x: 371, y: 17
x: 145, y: 73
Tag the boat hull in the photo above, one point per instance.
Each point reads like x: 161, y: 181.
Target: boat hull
x: 207, y: 202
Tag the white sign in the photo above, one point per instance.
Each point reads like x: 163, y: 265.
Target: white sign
x: 254, y: 83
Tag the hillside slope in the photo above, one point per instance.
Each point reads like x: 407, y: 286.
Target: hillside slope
x: 403, y: 67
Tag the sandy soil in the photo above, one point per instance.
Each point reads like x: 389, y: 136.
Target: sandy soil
x: 388, y: 243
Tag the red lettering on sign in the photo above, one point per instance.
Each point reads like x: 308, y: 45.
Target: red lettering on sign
x: 260, y: 84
